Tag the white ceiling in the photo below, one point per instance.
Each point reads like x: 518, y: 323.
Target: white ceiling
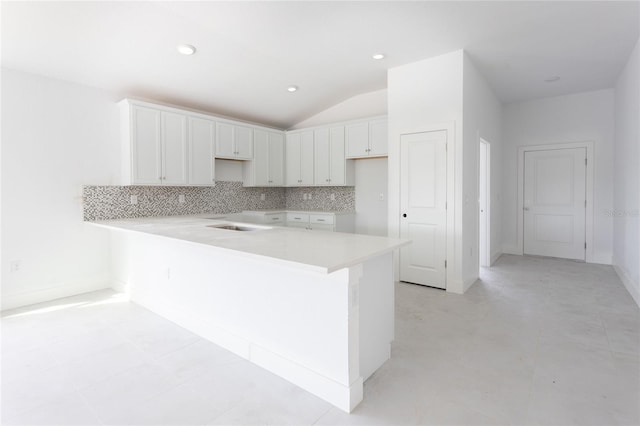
x: 249, y: 52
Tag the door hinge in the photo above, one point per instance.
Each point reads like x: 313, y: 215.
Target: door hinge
x: 445, y: 263
x: 585, y: 245
x: 585, y: 161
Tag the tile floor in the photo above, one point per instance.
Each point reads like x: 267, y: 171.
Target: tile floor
x: 536, y: 341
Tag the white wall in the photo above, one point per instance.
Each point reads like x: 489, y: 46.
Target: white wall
x: 573, y: 118
x: 371, y: 210
x: 229, y: 170
x: 626, y: 179
x: 56, y: 137
x: 422, y: 95
x: 360, y: 106
x: 482, y: 118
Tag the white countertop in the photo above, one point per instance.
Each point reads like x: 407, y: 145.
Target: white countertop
x: 320, y: 251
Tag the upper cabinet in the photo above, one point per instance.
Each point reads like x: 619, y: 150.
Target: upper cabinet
x: 267, y: 167
x: 330, y: 166
x: 169, y: 146
x: 164, y: 145
x: 299, y: 158
x: 154, y: 146
x: 202, y: 151
x: 234, y: 142
x: 366, y: 139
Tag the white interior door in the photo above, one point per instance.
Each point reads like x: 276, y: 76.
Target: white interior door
x: 554, y: 203
x: 423, y: 197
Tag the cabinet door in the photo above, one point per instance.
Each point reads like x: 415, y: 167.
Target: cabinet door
x: 243, y: 143
x: 292, y: 159
x: 337, y: 162
x: 224, y: 140
x: 276, y: 159
x: 174, y: 149
x: 357, y: 139
x: 260, y: 161
x: 201, y: 151
x: 146, y: 151
x: 322, y: 155
x: 306, y: 158
x: 378, y: 136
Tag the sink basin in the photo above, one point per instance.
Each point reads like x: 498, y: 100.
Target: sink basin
x: 235, y: 227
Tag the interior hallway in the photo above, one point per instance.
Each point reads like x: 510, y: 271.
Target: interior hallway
x: 536, y: 341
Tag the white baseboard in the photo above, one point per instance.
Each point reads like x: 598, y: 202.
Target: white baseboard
x: 344, y: 397
x: 494, y: 258
x: 602, y: 258
x: 509, y: 249
x: 12, y: 301
x: 468, y: 283
x: 632, y: 287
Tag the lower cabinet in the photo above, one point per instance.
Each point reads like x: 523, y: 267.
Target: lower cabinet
x: 266, y: 218
x: 336, y: 222
x: 319, y: 221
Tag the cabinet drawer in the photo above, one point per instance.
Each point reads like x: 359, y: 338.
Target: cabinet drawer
x: 274, y: 218
x: 322, y: 227
x: 326, y: 219
x: 297, y: 218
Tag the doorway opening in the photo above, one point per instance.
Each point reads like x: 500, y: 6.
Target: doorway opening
x: 484, y: 204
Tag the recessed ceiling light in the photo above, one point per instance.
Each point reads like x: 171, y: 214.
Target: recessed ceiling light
x: 186, y: 49
x: 378, y: 56
x: 552, y: 79
x: 292, y: 88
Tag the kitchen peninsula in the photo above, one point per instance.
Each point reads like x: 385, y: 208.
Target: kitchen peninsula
x: 314, y: 307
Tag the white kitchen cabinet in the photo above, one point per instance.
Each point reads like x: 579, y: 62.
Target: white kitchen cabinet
x: 299, y: 159
x: 174, y: 148
x: 276, y: 218
x: 331, y: 167
x: 201, y: 151
x: 366, y: 139
x: 154, y: 150
x: 267, y: 167
x: 320, y: 221
x: 233, y: 141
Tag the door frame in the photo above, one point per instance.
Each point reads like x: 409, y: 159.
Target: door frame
x: 486, y: 262
x: 394, y: 209
x: 589, y: 146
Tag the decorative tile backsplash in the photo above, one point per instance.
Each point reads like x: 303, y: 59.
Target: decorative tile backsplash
x: 114, y: 202
x: 345, y: 198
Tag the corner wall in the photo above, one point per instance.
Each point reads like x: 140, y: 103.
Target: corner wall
x: 626, y: 178
x: 421, y: 95
x: 482, y: 115
x: 56, y: 137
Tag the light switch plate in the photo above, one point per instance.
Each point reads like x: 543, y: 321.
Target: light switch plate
x: 134, y: 199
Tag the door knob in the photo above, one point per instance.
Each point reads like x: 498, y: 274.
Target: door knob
x: 404, y: 215
x: 526, y: 209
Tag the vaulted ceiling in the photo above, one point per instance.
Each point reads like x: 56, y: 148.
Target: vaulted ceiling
x: 248, y: 53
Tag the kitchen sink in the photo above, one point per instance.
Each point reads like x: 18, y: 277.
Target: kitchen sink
x: 234, y: 227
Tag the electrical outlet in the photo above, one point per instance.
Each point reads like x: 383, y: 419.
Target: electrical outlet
x: 181, y: 198
x: 15, y: 265
x: 134, y: 199
x: 333, y: 197
x: 262, y: 197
